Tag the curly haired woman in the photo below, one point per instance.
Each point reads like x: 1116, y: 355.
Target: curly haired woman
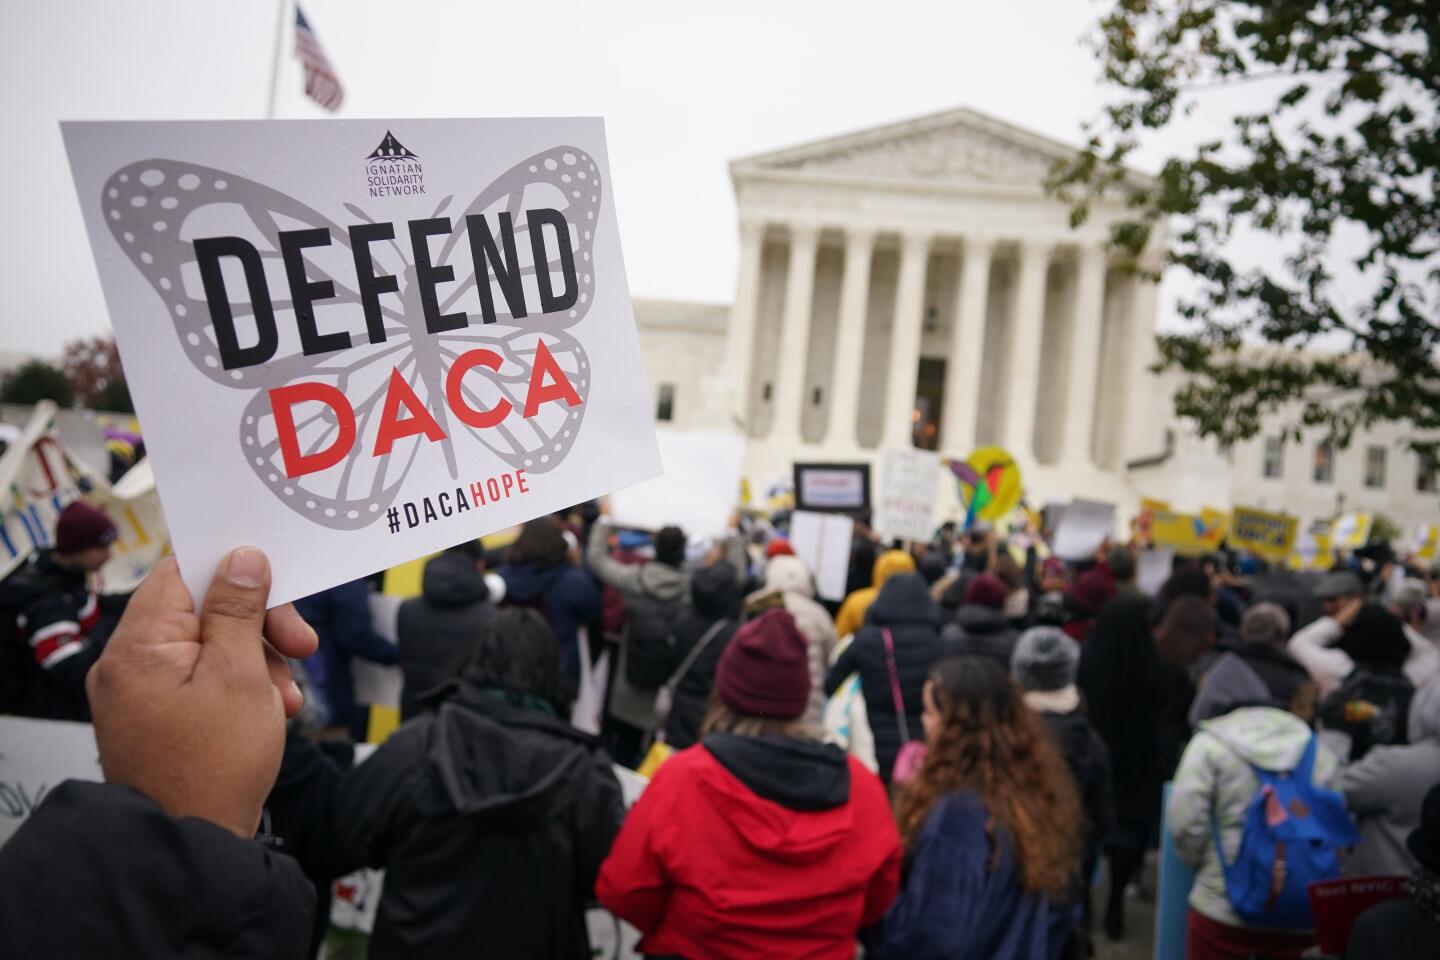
x: 991, y: 827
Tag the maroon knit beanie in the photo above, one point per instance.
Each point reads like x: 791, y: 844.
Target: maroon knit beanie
x: 765, y: 670
x: 81, y: 527
x: 986, y: 590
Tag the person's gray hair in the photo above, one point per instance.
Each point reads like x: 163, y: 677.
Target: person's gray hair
x: 1266, y: 623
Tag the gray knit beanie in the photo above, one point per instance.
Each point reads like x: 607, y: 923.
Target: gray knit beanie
x: 1045, y: 658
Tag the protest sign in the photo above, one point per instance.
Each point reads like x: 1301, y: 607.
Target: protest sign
x: 35, y: 485
x: 1267, y: 535
x: 1312, y: 550
x: 1337, y: 904
x: 1152, y: 568
x: 1186, y: 533
x: 1350, y: 531
x: 989, y: 483
x: 905, y: 503
x: 344, y: 353
x: 1082, y: 528
x: 35, y: 756
x: 832, y: 486
x: 1426, y: 542
x: 822, y: 540
x: 697, y: 492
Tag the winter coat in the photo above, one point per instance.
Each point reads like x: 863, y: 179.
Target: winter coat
x: 982, y: 631
x: 955, y: 903
x: 748, y: 847
x: 437, y: 630
x: 852, y: 612
x: 566, y: 596
x: 1384, y: 790
x: 1314, y: 647
x: 1089, y: 762
x: 787, y: 582
x: 341, y: 618
x: 1215, y: 782
x: 301, y: 806
x: 905, y: 607
x: 48, y: 645
x: 490, y: 819
x: 1289, y: 683
x: 714, y: 598
x: 1394, y: 930
x: 99, y: 870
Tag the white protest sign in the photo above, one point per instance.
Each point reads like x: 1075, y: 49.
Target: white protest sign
x: 905, y: 505
x: 822, y: 540
x: 318, y: 370
x: 35, y: 756
x: 1152, y: 568
x: 697, y: 492
x: 1082, y: 528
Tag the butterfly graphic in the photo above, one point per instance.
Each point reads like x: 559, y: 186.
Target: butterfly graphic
x: 156, y: 208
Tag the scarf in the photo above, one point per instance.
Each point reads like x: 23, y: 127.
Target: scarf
x: 1423, y: 889
x: 1064, y: 700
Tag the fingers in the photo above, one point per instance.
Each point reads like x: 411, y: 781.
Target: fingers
x: 284, y: 681
x: 158, y: 600
x: 234, y: 610
x: 287, y: 632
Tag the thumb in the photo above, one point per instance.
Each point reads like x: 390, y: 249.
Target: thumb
x: 233, y: 616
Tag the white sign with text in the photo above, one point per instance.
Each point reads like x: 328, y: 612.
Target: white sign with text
x: 905, y: 504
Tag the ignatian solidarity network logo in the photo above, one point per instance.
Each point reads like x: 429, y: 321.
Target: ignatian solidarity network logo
x: 392, y: 170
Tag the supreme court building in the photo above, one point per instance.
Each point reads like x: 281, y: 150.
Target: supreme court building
x: 914, y: 284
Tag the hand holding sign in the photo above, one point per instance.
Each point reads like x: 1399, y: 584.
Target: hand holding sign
x: 190, y: 710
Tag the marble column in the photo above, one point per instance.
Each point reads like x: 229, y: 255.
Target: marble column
x: 795, y: 334
x: 1142, y: 434
x: 740, y: 342
x: 850, y: 338
x: 905, y: 341
x: 967, y: 348
x: 1084, y: 358
x: 1022, y: 364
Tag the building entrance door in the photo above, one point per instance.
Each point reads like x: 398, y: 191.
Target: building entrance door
x: 929, y: 400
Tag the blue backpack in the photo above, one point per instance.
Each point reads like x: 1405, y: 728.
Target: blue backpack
x: 1291, y: 838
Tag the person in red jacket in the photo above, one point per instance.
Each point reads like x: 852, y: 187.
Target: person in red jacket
x: 760, y: 841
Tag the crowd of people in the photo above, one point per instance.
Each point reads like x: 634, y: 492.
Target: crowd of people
x: 935, y: 767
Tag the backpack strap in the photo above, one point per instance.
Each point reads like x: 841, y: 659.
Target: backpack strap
x: 895, y: 684
x: 694, y: 654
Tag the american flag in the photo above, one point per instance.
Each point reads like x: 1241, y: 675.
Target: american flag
x: 321, y: 84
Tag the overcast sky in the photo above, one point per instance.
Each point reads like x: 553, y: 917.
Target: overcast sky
x: 684, y: 87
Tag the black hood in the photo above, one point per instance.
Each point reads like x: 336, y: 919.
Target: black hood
x: 1072, y: 733
x: 797, y: 774
x: 904, y: 599
x: 715, y: 591
x: 506, y: 763
x: 451, y: 580
x: 978, y: 619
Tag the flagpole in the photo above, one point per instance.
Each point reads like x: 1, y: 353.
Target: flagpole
x: 275, y: 59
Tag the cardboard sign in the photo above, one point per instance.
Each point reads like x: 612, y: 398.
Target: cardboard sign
x: 832, y: 486
x: 35, y: 756
x: 822, y: 540
x: 905, y: 505
x: 697, y: 492
x: 353, y: 343
x: 1350, y: 531
x: 1082, y: 528
x: 1267, y: 535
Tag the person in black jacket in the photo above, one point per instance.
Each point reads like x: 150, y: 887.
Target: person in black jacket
x: 905, y: 609
x: 341, y: 617
x: 438, y: 629
x: 714, y: 599
x: 490, y: 815
x: 539, y: 574
x: 1044, y: 664
x: 50, y: 642
x: 1408, y: 928
x: 981, y: 626
x: 160, y: 861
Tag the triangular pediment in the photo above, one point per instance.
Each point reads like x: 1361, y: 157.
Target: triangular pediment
x: 960, y: 146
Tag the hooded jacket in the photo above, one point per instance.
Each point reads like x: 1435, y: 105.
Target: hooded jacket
x: 787, y: 583
x: 342, y: 621
x: 904, y: 606
x: 1384, y: 790
x: 963, y: 898
x: 1089, y: 761
x: 437, y: 630
x: 490, y: 820
x: 982, y: 631
x: 1215, y: 783
x: 1315, y: 647
x: 714, y: 598
x: 566, y: 596
x: 748, y: 847
x: 100, y: 870
x: 852, y: 612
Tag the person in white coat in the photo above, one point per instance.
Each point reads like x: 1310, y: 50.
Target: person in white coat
x: 1317, y: 648
x: 788, y: 584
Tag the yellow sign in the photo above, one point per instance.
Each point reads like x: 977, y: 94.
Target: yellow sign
x: 1350, y: 531
x: 1267, y: 535
x: 1186, y: 533
x: 1427, y: 542
x: 1312, y: 552
x: 989, y: 483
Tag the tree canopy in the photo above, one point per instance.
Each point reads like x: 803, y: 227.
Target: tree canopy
x: 1341, y: 145
x: 37, y: 380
